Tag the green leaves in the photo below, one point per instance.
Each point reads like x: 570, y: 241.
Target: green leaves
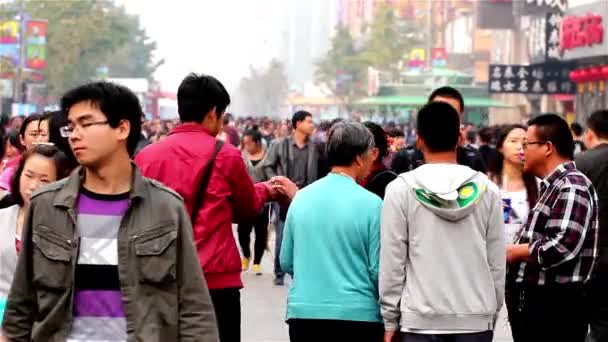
x: 386, y: 41
x: 84, y: 35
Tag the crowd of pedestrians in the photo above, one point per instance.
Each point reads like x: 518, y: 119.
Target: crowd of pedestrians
x: 120, y: 229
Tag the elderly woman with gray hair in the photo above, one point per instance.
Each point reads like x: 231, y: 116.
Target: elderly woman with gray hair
x: 331, y: 247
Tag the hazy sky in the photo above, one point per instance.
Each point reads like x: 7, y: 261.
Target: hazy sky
x: 217, y: 37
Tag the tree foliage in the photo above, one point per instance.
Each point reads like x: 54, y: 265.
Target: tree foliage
x: 342, y: 69
x: 85, y: 35
x: 387, y: 41
x: 264, y: 92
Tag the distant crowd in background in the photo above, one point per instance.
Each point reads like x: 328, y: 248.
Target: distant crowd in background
x: 389, y: 232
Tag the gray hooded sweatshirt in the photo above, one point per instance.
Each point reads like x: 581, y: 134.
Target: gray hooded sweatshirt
x: 442, y: 256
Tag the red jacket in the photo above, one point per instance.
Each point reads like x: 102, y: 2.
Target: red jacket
x: 178, y: 162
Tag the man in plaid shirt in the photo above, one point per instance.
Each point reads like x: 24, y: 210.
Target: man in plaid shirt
x: 555, y: 252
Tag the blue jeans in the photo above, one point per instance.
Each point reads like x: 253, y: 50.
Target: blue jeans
x: 485, y: 336
x: 279, y: 226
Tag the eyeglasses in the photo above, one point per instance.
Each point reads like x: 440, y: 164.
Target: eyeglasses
x: 525, y: 144
x: 65, y: 131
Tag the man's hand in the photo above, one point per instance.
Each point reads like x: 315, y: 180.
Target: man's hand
x: 284, y: 186
x: 390, y: 336
x: 274, y: 193
x: 517, y: 252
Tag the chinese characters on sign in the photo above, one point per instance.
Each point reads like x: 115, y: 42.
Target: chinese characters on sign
x: 552, y: 33
x: 581, y: 31
x: 559, y: 5
x: 530, y: 79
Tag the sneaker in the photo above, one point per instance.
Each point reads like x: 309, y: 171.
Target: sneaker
x: 279, y: 281
x: 257, y: 269
x: 245, y: 264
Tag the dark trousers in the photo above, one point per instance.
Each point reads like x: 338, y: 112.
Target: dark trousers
x: 278, y: 228
x: 485, y: 336
x: 260, y: 227
x: 598, y: 299
x: 316, y: 330
x: 548, y: 313
x: 227, y: 305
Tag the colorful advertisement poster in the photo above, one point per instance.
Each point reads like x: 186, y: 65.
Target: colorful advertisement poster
x: 9, y: 32
x: 35, y: 40
x: 10, y: 54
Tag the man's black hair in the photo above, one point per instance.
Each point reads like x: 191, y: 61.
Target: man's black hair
x: 298, y: 117
x: 56, y: 121
x: 380, y: 138
x: 472, y: 136
x: 28, y: 120
x: 450, y: 93
x: 598, y: 123
x: 486, y: 135
x: 577, y: 129
x: 553, y: 128
x: 198, y: 94
x: 439, y: 127
x: 396, y: 133
x: 116, y: 102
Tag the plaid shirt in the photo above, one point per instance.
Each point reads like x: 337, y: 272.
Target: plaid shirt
x: 562, y: 231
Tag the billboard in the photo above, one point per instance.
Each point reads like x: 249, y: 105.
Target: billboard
x: 584, y: 31
x: 9, y: 32
x: 35, y: 41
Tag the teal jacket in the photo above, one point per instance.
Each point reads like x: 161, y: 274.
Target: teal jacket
x: 331, y: 247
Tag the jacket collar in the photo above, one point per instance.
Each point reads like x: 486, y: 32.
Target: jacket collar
x: 189, y: 127
x: 68, y: 194
x: 557, y: 174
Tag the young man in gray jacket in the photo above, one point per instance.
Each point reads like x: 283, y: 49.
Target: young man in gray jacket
x: 442, y: 257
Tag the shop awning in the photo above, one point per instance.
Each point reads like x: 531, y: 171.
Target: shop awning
x: 416, y: 101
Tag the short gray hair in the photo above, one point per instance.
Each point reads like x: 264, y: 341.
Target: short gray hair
x: 347, y: 140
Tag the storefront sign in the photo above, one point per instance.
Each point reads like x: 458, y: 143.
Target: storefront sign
x: 584, y: 30
x: 552, y: 37
x: 546, y: 5
x: 531, y: 79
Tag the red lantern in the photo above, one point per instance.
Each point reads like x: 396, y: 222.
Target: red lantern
x: 595, y: 74
x: 574, y: 76
x: 584, y: 75
x: 605, y: 72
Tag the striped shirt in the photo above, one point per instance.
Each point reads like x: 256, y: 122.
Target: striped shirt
x: 98, y: 309
x: 562, y: 231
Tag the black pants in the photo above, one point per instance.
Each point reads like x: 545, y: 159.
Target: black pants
x: 260, y: 227
x: 485, y: 336
x: 598, y: 299
x: 227, y: 305
x: 548, y: 313
x: 318, y: 330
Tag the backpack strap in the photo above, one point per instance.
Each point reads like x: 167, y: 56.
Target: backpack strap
x: 202, y: 188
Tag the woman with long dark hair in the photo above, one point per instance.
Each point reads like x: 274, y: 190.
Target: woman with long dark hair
x: 41, y: 165
x: 519, y: 189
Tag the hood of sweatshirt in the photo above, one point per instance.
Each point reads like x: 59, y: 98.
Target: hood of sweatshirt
x: 450, y: 191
